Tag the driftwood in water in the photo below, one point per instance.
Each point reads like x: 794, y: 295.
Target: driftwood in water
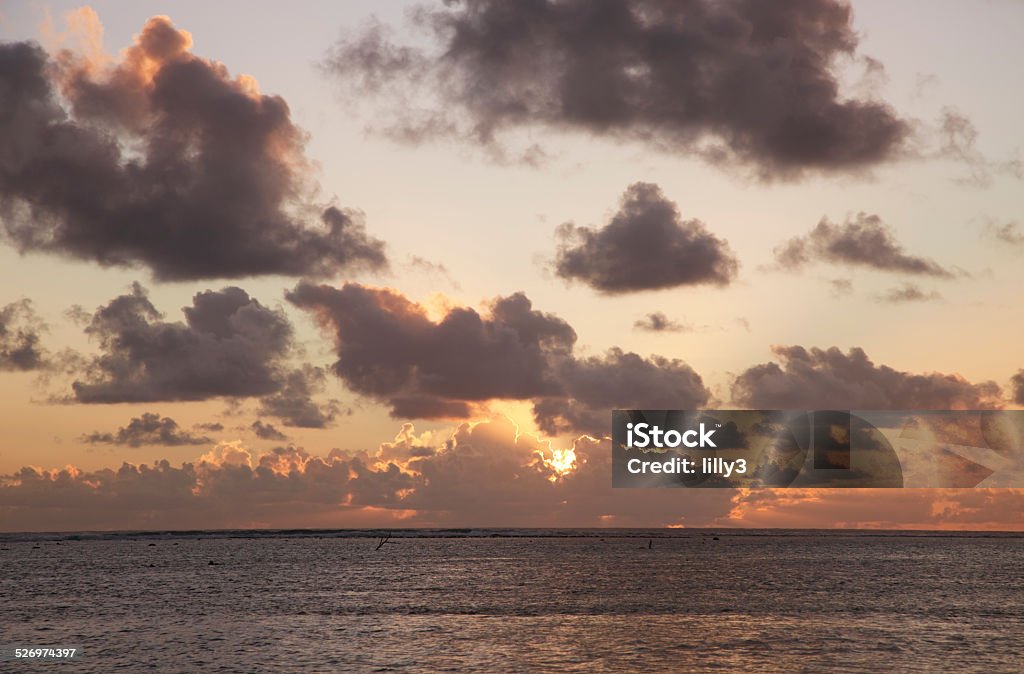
x: 382, y: 541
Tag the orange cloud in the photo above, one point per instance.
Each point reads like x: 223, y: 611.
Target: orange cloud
x: 938, y: 509
x: 485, y: 474
x: 82, y: 36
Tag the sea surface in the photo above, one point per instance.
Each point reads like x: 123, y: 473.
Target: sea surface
x: 515, y: 601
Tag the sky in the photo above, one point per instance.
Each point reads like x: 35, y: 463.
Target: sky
x: 393, y: 264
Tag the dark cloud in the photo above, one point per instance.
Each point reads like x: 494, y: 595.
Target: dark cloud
x: 20, y: 348
x: 817, y: 379
x: 267, y: 431
x: 229, y: 345
x: 162, y: 161
x: 594, y: 386
x: 645, y: 246
x: 738, y: 81
x: 389, y: 349
x: 657, y: 321
x: 862, y: 241
x: 908, y: 292
x: 294, y: 405
x: 1017, y: 382
x: 149, y: 429
x: 418, y: 482
x: 214, y: 427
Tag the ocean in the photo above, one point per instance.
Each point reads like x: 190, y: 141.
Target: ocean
x: 515, y: 601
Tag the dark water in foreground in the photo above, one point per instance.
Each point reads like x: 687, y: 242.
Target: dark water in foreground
x: 593, y: 601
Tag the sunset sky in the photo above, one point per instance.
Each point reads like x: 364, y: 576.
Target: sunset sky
x: 393, y: 264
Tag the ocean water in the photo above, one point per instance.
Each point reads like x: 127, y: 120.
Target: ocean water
x: 465, y: 601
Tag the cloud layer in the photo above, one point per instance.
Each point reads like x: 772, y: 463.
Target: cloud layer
x: 592, y: 387
x: 163, y: 161
x: 739, y: 81
x: 483, y: 475
x: 645, y: 246
x: 389, y: 349
x: 828, y: 378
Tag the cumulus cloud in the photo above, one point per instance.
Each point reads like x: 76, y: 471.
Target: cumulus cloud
x: 740, y: 81
x: 20, y: 347
x: 1017, y: 382
x: 646, y: 246
x: 149, y: 429
x: 618, y: 380
x: 908, y: 292
x: 828, y: 378
x: 657, y: 321
x: 861, y: 241
x: 267, y: 431
x: 229, y: 345
x: 227, y: 487
x: 389, y: 349
x: 486, y: 474
x: 294, y: 403
x: 482, y: 474
x: 165, y: 161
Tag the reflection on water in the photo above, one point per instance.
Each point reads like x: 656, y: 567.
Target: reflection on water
x: 596, y: 602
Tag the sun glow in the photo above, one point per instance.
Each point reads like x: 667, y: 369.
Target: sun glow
x: 562, y: 462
